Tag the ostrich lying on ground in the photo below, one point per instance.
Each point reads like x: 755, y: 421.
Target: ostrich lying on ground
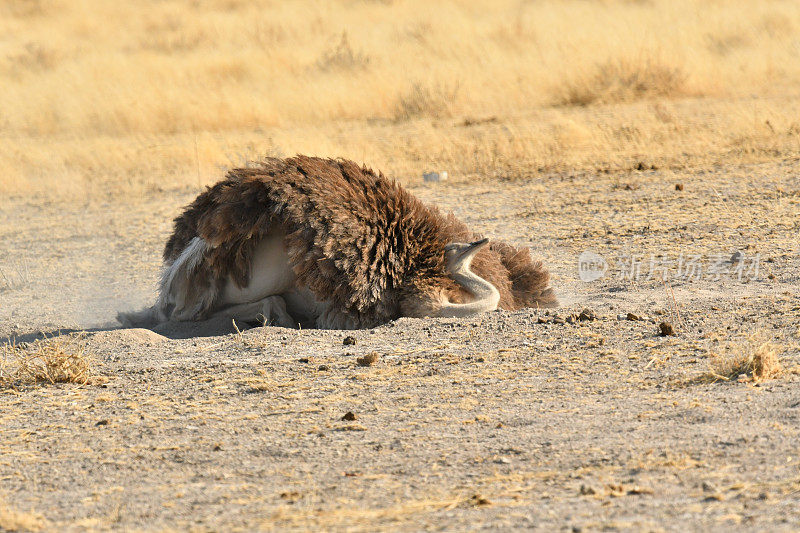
x: 325, y: 243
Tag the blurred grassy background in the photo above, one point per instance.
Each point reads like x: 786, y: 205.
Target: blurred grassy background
x: 116, y: 98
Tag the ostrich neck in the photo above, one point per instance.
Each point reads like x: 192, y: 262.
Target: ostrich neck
x: 486, y: 296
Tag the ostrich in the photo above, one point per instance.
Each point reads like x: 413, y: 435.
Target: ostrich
x: 326, y: 243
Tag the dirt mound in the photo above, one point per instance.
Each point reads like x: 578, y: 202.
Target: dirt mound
x: 130, y: 337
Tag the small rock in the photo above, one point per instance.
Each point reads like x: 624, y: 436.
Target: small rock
x: 631, y: 316
x: 323, y: 368
x: 708, y: 487
x: 435, y: 176
x: 349, y: 416
x: 217, y: 448
x: 103, y: 422
x: 771, y: 276
x: 368, y: 360
x: 679, y: 186
x: 303, y: 360
x: 587, y: 314
x: 349, y: 341
x: 736, y: 257
x: 503, y: 461
x: 586, y: 490
x: 571, y: 319
x: 665, y: 329
x: 622, y: 317
x: 558, y: 320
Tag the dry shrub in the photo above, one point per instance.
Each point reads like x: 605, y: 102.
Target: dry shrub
x: 342, y: 57
x: 34, y: 57
x: 755, y: 362
x: 626, y: 81
x: 426, y: 101
x: 56, y: 360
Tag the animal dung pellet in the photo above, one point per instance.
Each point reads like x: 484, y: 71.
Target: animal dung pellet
x: 665, y: 329
x: 368, y: 360
x: 349, y: 341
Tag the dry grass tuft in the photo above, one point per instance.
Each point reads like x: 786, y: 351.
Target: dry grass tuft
x: 748, y: 362
x: 626, y: 81
x: 12, y: 520
x: 56, y: 360
x: 423, y: 101
x: 342, y: 57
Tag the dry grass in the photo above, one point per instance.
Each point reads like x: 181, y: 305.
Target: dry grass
x: 626, y: 81
x: 127, y: 96
x: 12, y: 520
x: 56, y: 360
x: 359, y: 518
x: 751, y: 361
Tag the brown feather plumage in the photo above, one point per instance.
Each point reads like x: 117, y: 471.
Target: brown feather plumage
x: 354, y: 238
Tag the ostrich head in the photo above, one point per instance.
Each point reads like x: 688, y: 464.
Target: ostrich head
x: 458, y: 255
x: 458, y: 258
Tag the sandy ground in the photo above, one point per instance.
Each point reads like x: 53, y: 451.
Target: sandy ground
x: 505, y: 420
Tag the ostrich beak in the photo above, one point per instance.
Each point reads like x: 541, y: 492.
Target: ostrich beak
x: 474, y: 247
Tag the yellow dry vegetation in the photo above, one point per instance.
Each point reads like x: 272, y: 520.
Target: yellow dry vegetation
x: 13, y: 520
x: 118, y: 97
x: 54, y: 360
x: 750, y: 360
